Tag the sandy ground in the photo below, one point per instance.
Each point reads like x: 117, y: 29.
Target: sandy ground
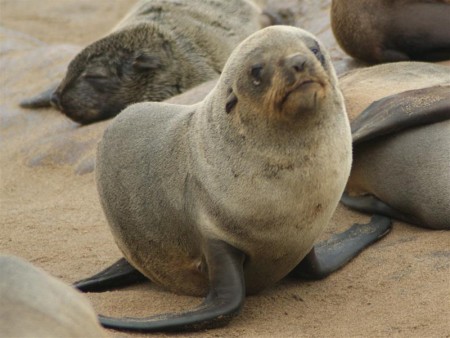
x: 50, y: 213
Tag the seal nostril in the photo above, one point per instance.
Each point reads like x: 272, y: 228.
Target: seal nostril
x: 296, y: 62
x: 299, y: 67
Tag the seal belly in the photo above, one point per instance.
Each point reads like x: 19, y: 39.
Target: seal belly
x: 274, y: 213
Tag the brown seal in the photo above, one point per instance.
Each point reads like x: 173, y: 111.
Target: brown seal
x: 35, y: 304
x: 227, y: 196
x: 160, y: 49
x: 401, y: 142
x: 396, y: 30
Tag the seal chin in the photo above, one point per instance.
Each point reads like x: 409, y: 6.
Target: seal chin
x: 86, y: 117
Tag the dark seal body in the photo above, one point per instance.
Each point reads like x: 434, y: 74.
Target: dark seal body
x: 392, y: 30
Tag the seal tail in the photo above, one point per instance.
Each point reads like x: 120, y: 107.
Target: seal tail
x: 224, y: 301
x: 41, y: 100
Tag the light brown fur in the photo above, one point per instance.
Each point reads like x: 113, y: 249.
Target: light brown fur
x: 171, y: 177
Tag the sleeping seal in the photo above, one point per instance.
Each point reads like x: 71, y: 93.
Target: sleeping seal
x: 401, y: 142
x: 227, y: 196
x: 160, y: 49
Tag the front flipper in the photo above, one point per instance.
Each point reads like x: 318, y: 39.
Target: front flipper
x: 120, y: 274
x: 41, y: 100
x: 329, y: 256
x: 401, y: 111
x: 371, y: 205
x: 224, y: 301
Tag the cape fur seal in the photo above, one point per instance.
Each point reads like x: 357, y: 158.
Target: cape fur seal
x: 401, y: 142
x: 227, y: 196
x: 35, y: 304
x: 395, y: 30
x: 160, y: 49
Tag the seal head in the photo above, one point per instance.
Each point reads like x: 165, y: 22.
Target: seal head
x: 110, y: 73
x: 285, y: 81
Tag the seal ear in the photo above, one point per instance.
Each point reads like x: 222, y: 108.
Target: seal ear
x: 231, y: 101
x: 146, y: 62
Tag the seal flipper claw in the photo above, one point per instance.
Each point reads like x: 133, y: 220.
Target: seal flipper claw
x: 120, y: 274
x: 41, y: 100
x: 224, y: 301
x: 329, y: 256
x: 371, y: 204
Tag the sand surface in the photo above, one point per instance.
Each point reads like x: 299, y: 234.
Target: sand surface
x: 50, y: 213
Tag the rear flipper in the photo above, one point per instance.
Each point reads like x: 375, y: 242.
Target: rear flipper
x: 329, y: 256
x: 41, y: 100
x: 224, y: 301
x: 371, y: 205
x: 120, y: 274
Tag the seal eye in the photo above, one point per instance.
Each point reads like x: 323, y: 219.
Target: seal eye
x: 318, y: 54
x: 256, y: 73
x: 95, y: 78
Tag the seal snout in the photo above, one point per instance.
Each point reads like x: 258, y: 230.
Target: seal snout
x: 296, y: 86
x: 55, y: 100
x: 295, y: 70
x: 296, y: 62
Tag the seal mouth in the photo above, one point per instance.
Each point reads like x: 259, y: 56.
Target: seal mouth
x: 295, y: 88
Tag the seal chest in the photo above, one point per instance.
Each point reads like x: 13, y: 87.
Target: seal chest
x: 259, y: 164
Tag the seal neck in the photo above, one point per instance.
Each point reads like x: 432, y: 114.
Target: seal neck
x: 235, y: 132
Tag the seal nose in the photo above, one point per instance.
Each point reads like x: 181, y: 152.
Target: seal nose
x: 55, y: 100
x: 296, y: 62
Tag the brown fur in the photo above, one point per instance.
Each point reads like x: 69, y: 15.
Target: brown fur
x: 392, y: 30
x: 278, y: 98
x: 172, y: 177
